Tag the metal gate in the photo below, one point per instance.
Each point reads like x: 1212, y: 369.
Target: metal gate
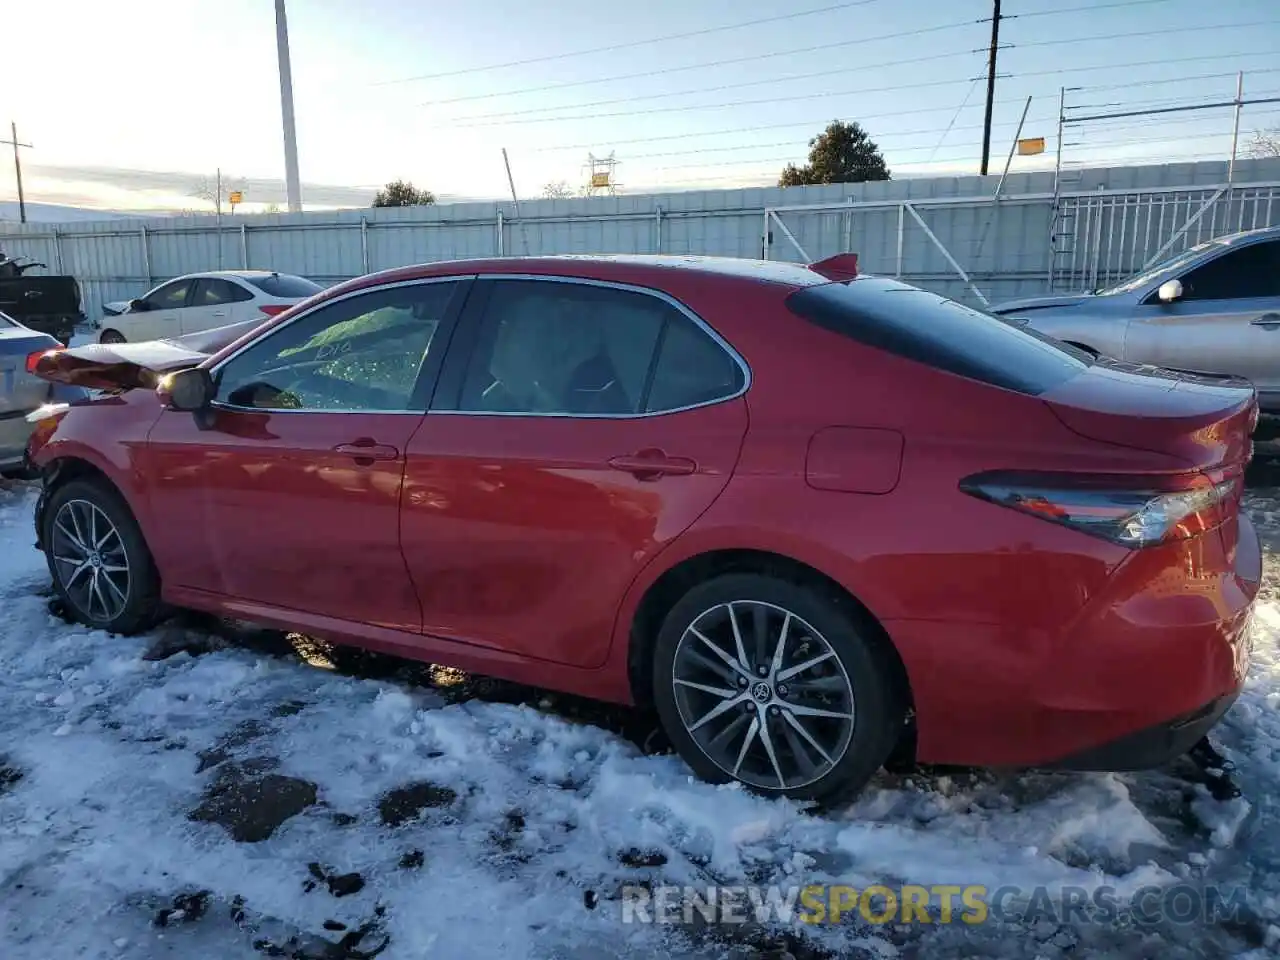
x: 1104, y: 237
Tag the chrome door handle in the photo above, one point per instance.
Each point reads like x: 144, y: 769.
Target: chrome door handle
x: 1266, y: 320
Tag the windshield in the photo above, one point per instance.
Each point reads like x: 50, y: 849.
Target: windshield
x: 1169, y: 263
x: 6, y: 319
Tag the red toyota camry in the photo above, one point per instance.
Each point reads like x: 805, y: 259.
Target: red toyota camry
x: 803, y: 514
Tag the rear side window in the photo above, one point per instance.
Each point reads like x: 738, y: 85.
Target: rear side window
x: 942, y: 333
x: 556, y: 348
x: 285, y: 285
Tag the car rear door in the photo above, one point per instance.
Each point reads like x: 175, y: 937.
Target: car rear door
x: 1227, y: 320
x: 290, y: 498
x: 577, y: 430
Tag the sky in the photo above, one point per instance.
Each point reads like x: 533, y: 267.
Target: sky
x: 136, y: 104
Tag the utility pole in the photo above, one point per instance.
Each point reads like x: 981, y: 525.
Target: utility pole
x: 17, y: 168
x: 991, y: 87
x: 293, y: 188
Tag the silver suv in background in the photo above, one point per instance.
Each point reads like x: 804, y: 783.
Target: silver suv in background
x: 1214, y: 308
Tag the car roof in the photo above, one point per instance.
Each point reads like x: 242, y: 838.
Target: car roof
x: 240, y: 274
x: 1248, y: 236
x: 639, y: 269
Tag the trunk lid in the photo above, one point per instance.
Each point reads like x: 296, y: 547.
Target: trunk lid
x: 1203, y: 421
x: 128, y: 366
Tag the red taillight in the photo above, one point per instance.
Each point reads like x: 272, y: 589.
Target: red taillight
x: 1133, y: 512
x: 33, y: 359
x: 274, y: 309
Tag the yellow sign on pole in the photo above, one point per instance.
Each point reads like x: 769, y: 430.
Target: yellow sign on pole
x: 1030, y: 147
x: 600, y: 179
x: 235, y: 197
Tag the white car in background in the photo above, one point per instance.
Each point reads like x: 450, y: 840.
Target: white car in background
x: 203, y: 301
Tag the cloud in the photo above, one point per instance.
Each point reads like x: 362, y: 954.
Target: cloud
x: 132, y: 189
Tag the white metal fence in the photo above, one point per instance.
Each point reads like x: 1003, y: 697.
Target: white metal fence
x: 956, y: 235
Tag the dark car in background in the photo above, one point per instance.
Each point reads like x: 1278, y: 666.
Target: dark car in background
x: 43, y: 303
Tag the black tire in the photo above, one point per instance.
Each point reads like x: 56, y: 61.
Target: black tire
x: 877, y: 701
x: 111, y: 336
x: 141, y: 606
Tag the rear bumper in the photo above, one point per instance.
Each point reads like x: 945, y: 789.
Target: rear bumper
x: 14, y: 431
x: 1152, y: 746
x: 1146, y: 667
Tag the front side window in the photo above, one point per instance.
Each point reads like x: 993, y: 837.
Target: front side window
x: 360, y: 354
x: 576, y: 349
x: 171, y: 296
x: 1239, y: 274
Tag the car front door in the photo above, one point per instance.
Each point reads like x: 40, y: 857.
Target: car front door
x: 578, y: 428
x: 290, y: 498
x: 161, y: 316
x: 1226, y: 321
x: 213, y: 303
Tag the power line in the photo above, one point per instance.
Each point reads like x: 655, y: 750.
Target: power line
x: 860, y: 68
x: 630, y: 44
x: 956, y: 116
x: 712, y: 63
x: 1084, y: 9
x: 714, y: 106
x: 1145, y: 34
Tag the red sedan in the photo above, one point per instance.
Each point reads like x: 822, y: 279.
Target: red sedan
x: 801, y: 513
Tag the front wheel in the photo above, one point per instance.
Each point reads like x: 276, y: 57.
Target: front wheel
x: 100, y: 564
x: 111, y: 336
x: 776, y: 685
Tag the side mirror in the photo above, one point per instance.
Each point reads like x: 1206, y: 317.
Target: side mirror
x: 138, y: 306
x: 1169, y: 291
x: 187, y: 390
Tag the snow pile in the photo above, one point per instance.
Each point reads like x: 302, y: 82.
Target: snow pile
x: 370, y: 812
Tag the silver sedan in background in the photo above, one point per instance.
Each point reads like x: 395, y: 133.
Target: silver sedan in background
x: 21, y: 393
x: 1214, y: 308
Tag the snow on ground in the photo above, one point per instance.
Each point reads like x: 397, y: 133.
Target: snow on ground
x: 186, y: 796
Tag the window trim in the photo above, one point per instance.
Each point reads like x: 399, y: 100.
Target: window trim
x: 473, y: 342
x: 447, y: 325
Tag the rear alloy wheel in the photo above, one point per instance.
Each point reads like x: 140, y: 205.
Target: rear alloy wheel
x: 776, y: 686
x: 101, y: 567
x: 111, y: 336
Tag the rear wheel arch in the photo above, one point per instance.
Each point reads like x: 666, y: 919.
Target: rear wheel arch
x: 667, y: 590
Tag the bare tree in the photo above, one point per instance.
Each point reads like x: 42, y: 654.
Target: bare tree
x: 1265, y: 143
x: 559, y: 190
